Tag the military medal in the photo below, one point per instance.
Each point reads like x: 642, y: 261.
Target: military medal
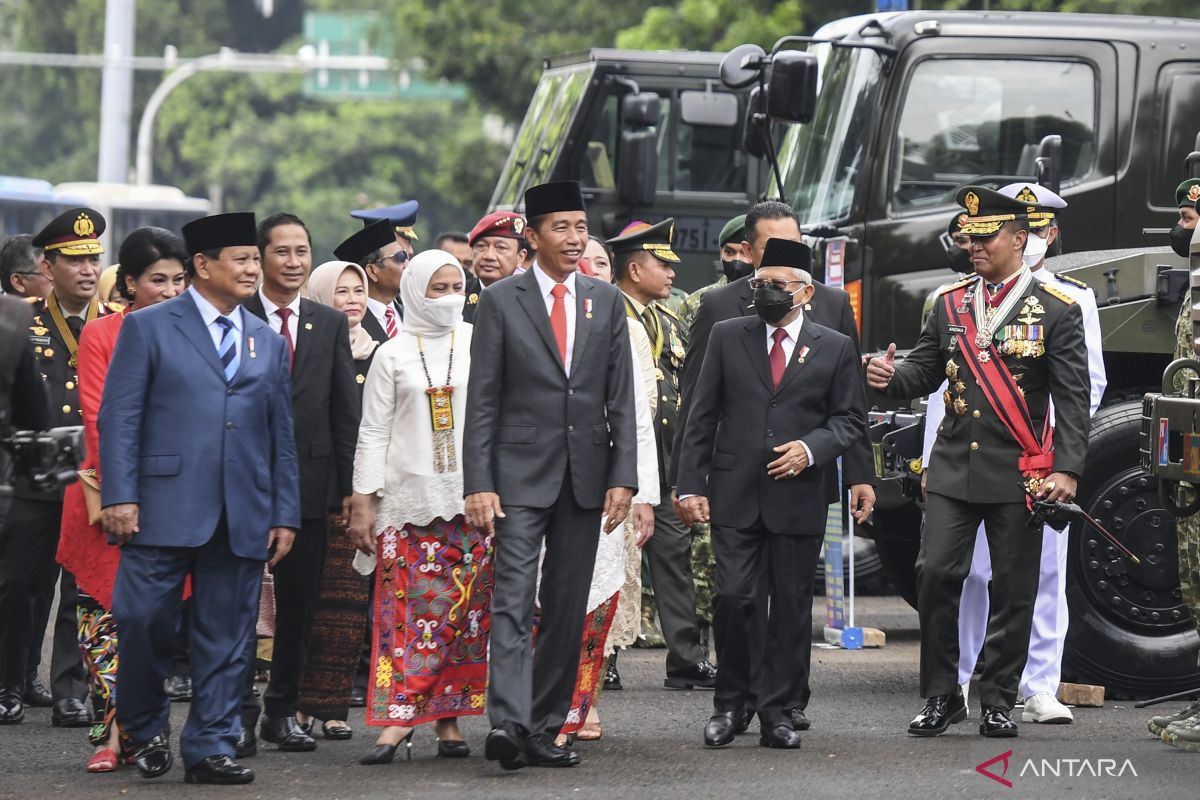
x: 250, y: 346
x: 803, y: 354
x: 587, y: 307
x: 960, y: 406
x: 986, y: 314
x: 441, y: 413
x: 64, y: 330
x: 952, y: 370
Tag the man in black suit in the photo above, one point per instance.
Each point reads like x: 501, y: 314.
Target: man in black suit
x: 549, y: 447
x: 325, y: 410
x: 779, y: 397
x: 827, y: 306
x: 378, y: 250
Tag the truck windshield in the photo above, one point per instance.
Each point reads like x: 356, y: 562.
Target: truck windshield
x: 821, y: 161
x: 542, y: 134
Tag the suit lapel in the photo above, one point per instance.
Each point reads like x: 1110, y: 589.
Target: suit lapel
x: 530, y: 298
x: 583, y: 325
x: 304, y: 335
x: 807, y: 337
x: 371, y: 325
x: 746, y: 299
x: 253, y: 331
x: 191, y: 325
x: 754, y: 339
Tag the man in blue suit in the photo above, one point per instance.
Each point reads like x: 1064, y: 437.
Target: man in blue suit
x: 200, y: 480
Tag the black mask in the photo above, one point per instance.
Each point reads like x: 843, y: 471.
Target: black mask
x: 960, y: 260
x: 736, y: 269
x: 772, y: 304
x: 1181, y: 240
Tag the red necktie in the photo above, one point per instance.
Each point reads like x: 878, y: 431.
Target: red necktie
x: 285, y: 314
x: 558, y: 320
x: 778, y: 359
x: 389, y: 318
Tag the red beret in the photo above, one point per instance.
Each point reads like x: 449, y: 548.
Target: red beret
x: 508, y: 224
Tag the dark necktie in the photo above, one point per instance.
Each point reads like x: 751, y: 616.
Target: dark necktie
x: 76, y: 326
x: 778, y: 359
x: 285, y: 314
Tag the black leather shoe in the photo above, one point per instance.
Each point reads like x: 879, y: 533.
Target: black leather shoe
x: 247, y: 743
x: 541, y: 751
x: 781, y: 736
x: 453, y: 748
x: 506, y: 744
x: 287, y: 733
x: 178, y: 688
x: 339, y: 732
x: 743, y: 723
x: 996, y: 723
x: 612, y: 678
x: 698, y: 676
x: 386, y: 753
x: 940, y: 712
x: 36, y: 695
x: 358, y: 697
x: 153, y: 758
x: 219, y: 770
x: 70, y: 713
x: 721, y: 728
x: 799, y: 721
x: 12, y: 710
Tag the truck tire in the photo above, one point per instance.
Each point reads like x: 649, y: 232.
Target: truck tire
x: 869, y: 575
x: 1128, y: 632
x: 898, y: 552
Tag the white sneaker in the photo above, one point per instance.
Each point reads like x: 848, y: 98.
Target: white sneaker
x: 1045, y: 708
x: 966, y: 690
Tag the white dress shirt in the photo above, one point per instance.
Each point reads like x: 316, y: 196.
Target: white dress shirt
x: 546, y: 284
x: 789, y: 346
x: 209, y: 313
x: 276, y: 322
x: 379, y: 310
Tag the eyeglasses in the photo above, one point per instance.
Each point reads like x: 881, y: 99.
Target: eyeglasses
x: 780, y: 286
x: 397, y: 258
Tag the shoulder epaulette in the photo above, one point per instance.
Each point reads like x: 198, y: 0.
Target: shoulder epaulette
x: 33, y: 301
x: 956, y: 285
x: 668, y: 312
x: 1058, y: 294
x: 114, y: 307
x: 1072, y: 281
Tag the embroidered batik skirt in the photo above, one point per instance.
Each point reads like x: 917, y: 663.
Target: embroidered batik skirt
x: 98, y: 646
x: 590, y: 677
x: 430, y: 623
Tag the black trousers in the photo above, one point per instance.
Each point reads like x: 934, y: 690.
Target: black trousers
x: 748, y: 559
x: 669, y: 552
x: 527, y: 687
x: 942, y: 566
x: 28, y: 542
x: 297, y: 580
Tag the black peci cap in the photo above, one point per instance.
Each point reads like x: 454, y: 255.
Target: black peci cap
x: 362, y: 243
x: 786, y: 253
x: 548, y: 198
x: 235, y: 229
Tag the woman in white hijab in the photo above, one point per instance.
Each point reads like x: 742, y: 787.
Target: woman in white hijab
x: 433, y: 572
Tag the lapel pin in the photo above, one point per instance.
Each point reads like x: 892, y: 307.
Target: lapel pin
x: 308, y: 326
x: 587, y: 307
x: 803, y: 354
x: 250, y: 345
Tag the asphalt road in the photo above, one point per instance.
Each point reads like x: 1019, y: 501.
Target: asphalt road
x: 652, y: 748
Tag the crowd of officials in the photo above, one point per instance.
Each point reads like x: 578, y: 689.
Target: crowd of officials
x: 427, y: 479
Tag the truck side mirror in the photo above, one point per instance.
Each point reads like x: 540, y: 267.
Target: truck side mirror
x: 1048, y: 166
x: 758, y: 125
x: 637, y: 167
x: 742, y: 65
x: 792, y: 87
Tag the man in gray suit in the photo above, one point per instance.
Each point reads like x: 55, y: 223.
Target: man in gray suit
x: 549, y: 447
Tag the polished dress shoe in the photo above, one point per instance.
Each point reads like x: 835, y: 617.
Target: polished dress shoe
x: 358, y: 697
x: 453, y: 748
x: 36, y: 695
x: 386, y: 753
x: 743, y: 722
x: 178, y: 688
x: 338, y: 732
x: 702, y: 675
x: 781, y: 736
x: 996, y: 723
x: 541, y: 751
x: 800, y: 722
x: 247, y: 743
x: 153, y: 758
x: 721, y: 728
x: 221, y: 770
x: 287, y: 733
x: 70, y: 712
x: 12, y: 710
x: 506, y: 744
x: 940, y: 712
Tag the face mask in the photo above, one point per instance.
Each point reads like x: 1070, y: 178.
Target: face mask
x: 736, y: 269
x: 1181, y: 240
x: 1035, y: 250
x: 445, y: 311
x: 960, y: 260
x: 772, y: 304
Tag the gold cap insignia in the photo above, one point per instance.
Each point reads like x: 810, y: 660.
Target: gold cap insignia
x: 1194, y: 192
x: 971, y: 201
x: 1027, y: 196
x: 518, y: 226
x: 84, y: 225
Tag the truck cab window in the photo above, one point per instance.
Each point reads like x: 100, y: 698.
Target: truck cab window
x: 709, y: 158
x: 981, y: 120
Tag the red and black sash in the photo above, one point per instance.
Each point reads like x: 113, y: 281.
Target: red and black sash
x: 994, y: 378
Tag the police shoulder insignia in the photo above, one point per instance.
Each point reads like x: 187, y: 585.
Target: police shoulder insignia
x: 956, y: 285
x: 1058, y: 294
x: 1072, y: 281
x: 33, y: 301
x: 661, y: 307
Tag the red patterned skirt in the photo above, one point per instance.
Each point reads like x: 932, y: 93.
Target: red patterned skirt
x: 590, y: 677
x: 430, y: 623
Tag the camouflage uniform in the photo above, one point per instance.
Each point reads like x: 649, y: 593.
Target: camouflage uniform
x: 1188, y: 528
x: 692, y: 304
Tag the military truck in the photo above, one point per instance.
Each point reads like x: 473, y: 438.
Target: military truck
x: 886, y: 116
